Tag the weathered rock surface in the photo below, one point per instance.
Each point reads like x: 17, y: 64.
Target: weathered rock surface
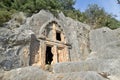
x: 102, y: 37
x: 34, y: 73
x: 75, y: 32
x: 104, y: 44
x: 94, y: 54
x: 27, y: 73
x: 12, y: 45
x: 36, y: 21
x: 78, y: 38
x: 18, y: 39
x: 76, y: 76
x: 108, y: 66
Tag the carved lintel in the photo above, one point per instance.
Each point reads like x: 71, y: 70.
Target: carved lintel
x: 46, y: 39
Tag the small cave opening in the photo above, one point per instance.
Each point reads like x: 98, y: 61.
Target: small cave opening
x: 58, y: 36
x: 49, y: 55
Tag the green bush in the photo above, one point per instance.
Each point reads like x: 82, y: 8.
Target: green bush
x: 93, y: 15
x: 4, y: 16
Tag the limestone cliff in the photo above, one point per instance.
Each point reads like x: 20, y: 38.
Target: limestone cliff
x: 69, y: 49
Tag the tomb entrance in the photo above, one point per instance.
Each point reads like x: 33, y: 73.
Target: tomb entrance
x: 53, y: 45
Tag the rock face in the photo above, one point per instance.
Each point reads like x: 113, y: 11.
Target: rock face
x: 78, y: 39
x: 69, y: 49
x: 27, y: 73
x: 27, y: 41
x: 12, y: 45
x: 104, y: 56
x: 72, y: 32
x: 108, y: 48
x: 106, y: 37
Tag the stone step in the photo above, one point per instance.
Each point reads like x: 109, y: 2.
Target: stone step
x: 110, y: 66
x: 35, y: 73
x: 89, y: 75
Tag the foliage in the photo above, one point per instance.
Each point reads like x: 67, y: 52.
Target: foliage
x: 97, y: 17
x: 4, y: 16
x: 93, y: 15
x: 32, y: 6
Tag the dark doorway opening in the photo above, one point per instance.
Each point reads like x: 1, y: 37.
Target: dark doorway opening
x: 58, y: 37
x: 49, y: 55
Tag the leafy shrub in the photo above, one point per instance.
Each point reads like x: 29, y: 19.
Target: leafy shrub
x: 4, y: 16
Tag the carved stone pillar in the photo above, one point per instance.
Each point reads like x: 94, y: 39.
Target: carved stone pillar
x: 54, y: 51
x: 60, y: 54
x: 63, y: 38
x: 42, y: 54
x: 66, y: 54
x: 54, y: 32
